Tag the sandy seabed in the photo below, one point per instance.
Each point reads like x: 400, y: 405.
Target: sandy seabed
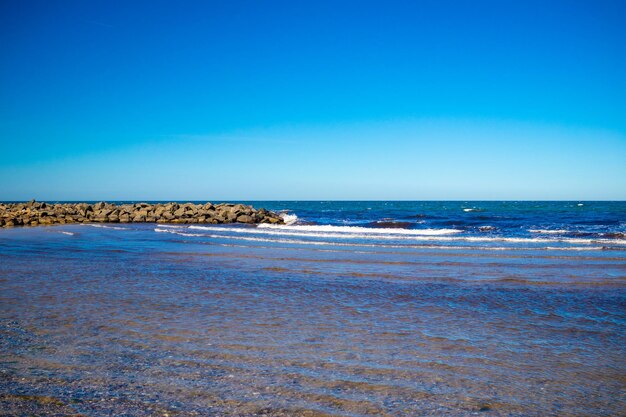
x: 131, y: 322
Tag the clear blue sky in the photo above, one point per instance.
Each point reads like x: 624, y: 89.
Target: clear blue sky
x: 312, y: 100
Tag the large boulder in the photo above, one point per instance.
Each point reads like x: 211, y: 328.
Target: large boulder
x: 245, y: 219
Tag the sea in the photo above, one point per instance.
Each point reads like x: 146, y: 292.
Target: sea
x: 356, y: 308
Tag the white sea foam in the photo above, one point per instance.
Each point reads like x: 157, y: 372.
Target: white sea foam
x: 284, y: 231
x: 67, y: 233
x: 275, y: 233
x: 359, y: 230
x: 102, y: 226
x: 547, y: 232
x: 179, y: 233
x: 289, y: 218
x: 375, y: 245
x: 574, y: 248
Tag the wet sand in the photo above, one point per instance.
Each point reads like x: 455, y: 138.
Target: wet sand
x: 131, y: 322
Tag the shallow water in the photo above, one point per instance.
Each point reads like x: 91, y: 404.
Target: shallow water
x: 238, y: 320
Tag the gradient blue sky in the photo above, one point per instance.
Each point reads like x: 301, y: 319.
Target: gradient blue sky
x: 312, y: 100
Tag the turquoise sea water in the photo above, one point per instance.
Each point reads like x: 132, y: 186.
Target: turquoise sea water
x: 353, y: 308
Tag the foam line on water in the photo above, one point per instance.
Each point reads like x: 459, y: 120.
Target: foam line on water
x: 361, y: 230
x: 178, y: 233
x: 102, y: 226
x: 330, y: 235
x: 372, y: 245
x: 286, y: 231
x: 548, y: 232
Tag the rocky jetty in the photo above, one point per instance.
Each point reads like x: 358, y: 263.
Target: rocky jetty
x: 36, y: 213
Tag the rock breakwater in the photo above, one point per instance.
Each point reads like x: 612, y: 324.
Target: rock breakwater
x: 36, y: 213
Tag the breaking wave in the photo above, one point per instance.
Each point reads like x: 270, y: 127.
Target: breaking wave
x: 335, y: 235
x: 289, y: 218
x: 285, y: 240
x: 359, y: 230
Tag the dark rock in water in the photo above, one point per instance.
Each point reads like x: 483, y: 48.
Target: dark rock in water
x: 583, y: 234
x: 391, y: 224
x: 34, y: 213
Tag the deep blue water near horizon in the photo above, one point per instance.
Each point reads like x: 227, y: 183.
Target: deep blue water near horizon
x: 351, y: 308
x: 503, y: 218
